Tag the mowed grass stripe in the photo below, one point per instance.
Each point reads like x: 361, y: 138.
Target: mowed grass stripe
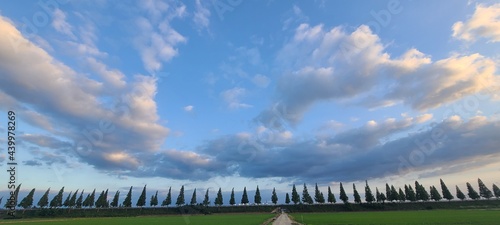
x: 441, y: 217
x: 218, y: 219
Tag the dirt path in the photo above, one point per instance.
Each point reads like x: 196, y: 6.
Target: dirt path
x: 283, y: 220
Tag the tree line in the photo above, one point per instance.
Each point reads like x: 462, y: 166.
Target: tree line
x: 412, y: 194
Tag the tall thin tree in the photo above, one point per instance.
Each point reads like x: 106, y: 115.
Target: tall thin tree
x: 114, y: 203
x: 460, y: 194
x: 343, y: 195
x: 206, y: 200
x: 306, y: 198
x: 274, y: 197
x: 44, y: 200
x: 232, y: 200
x: 331, y: 196
x: 128, y: 199
x: 446, y: 193
x: 295, y: 195
x: 368, y: 193
x: 180, y: 199
x: 244, y: 196
x: 483, y: 190
x: 357, y: 197
x: 193, y: 198
x: 257, y: 198
x: 471, y: 192
x: 168, y: 200
x: 142, y: 198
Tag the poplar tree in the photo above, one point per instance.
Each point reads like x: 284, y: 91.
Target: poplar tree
x: 295, y: 195
x: 435, y: 194
x: 180, y: 199
x: 388, y: 192
x: 218, y: 200
x: 44, y: 200
x: 206, y: 200
x: 128, y: 199
x: 244, y: 196
x: 287, y: 199
x: 410, y: 193
x: 331, y: 196
x: 154, y: 200
x: 368, y: 193
x: 72, y: 201
x: 318, y: 195
x: 257, y: 198
x: 142, y: 198
x: 91, y: 199
x: 232, y: 201
x: 446, y: 193
x: 168, y: 200
x: 471, y: 192
x: 101, y: 201
x: 193, y: 198
x: 66, y: 202
x: 306, y: 198
x: 460, y: 194
x: 57, y: 200
x: 357, y: 197
x: 274, y: 197
x: 343, y: 195
x: 78, y: 202
x: 114, y: 203
x: 27, y: 201
x: 496, y: 191
x: 380, y: 196
x: 394, y: 193
x: 402, y: 196
x: 483, y: 190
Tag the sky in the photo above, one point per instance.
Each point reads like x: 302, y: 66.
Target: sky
x: 231, y: 94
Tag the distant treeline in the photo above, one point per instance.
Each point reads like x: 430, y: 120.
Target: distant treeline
x: 78, y: 201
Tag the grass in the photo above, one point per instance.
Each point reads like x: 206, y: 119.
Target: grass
x: 220, y: 219
x: 442, y: 217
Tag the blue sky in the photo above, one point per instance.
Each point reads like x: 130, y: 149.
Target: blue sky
x: 227, y: 94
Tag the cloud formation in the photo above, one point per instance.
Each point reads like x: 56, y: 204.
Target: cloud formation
x: 375, y: 150
x: 232, y: 98
x: 484, y: 23
x: 201, y: 15
x: 79, y: 105
x: 157, y: 39
x: 354, y: 68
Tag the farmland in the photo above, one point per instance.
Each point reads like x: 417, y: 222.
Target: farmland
x: 220, y: 219
x: 441, y: 217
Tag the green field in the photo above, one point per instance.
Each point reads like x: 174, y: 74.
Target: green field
x: 475, y: 217
x: 221, y: 219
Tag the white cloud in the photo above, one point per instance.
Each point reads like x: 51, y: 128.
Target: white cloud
x: 158, y: 40
x: 294, y: 16
x: 113, y: 77
x: 189, y: 108
x: 59, y: 23
x: 354, y: 68
x: 423, y: 118
x: 485, y: 23
x: 261, y: 80
x: 201, y: 16
x: 232, y: 98
x: 50, y: 90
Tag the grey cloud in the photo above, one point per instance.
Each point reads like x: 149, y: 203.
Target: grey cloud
x: 32, y: 163
x: 344, y: 158
x: 45, y: 141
